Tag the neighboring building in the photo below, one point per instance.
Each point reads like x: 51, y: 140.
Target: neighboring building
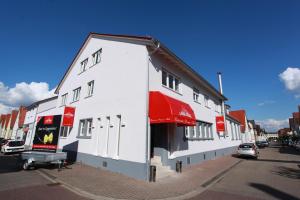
x: 272, y: 135
x: 17, y: 130
x: 283, y: 132
x: 10, y: 121
x: 247, y: 128
x: 33, y: 111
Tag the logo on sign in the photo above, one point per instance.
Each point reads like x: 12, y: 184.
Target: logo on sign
x: 184, y: 112
x: 48, y: 119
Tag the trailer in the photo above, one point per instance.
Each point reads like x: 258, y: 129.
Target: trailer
x: 31, y: 158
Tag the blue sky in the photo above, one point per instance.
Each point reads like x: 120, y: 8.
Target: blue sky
x: 250, y: 42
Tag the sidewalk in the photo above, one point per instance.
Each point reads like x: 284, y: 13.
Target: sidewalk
x: 101, y: 184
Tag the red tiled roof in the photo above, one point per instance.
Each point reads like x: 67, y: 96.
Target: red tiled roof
x: 22, y: 113
x: 239, y: 115
x: 2, y: 120
x: 296, y: 115
x: 14, y: 115
x: 7, y: 118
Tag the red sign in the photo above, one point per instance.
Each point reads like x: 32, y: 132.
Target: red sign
x: 68, y: 118
x: 48, y: 119
x: 220, y: 123
x: 44, y: 146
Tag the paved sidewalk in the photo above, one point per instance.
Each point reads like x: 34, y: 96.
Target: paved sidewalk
x: 101, y: 184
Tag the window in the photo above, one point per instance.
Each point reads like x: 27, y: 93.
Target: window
x: 97, y: 56
x: 64, y: 99
x: 83, y: 65
x: 170, y: 81
x: 202, y: 130
x: 90, y: 88
x: 206, y: 101
x: 85, y: 128
x: 64, y: 131
x: 217, y: 107
x: 196, y: 95
x: 76, y: 94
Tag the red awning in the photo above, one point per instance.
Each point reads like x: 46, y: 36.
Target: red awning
x: 165, y: 109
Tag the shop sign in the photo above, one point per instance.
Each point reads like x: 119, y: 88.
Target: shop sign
x: 220, y: 123
x: 68, y: 118
x: 47, y: 133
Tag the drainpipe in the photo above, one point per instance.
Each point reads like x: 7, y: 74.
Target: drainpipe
x: 148, y: 130
x: 223, y: 102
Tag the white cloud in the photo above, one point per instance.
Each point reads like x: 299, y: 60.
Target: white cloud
x: 273, y: 124
x: 266, y: 102
x: 291, y: 79
x: 22, y: 94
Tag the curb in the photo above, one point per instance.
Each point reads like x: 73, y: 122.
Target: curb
x: 208, y: 183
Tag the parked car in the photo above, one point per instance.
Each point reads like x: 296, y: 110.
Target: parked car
x: 259, y: 144
x: 262, y: 143
x: 248, y: 150
x: 12, y: 146
x: 2, y: 142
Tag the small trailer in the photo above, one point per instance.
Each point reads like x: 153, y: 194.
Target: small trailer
x: 31, y: 158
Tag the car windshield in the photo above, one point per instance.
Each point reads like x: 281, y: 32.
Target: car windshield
x: 15, y: 143
x: 246, y: 146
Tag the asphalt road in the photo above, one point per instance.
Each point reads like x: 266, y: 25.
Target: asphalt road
x: 17, y: 184
x: 275, y: 175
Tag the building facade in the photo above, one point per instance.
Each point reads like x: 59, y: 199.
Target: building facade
x: 134, y: 99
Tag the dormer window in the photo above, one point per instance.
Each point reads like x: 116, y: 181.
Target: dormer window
x: 97, y: 56
x: 83, y: 65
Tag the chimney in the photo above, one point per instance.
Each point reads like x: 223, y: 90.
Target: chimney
x: 223, y: 102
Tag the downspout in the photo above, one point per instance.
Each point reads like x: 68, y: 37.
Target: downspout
x: 148, y: 131
x: 223, y: 103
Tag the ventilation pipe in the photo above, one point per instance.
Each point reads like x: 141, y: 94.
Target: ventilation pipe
x: 223, y: 101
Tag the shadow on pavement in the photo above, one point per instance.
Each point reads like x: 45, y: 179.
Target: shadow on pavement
x: 10, y: 163
x: 289, y: 150
x: 288, y: 172
x: 273, y: 192
x: 281, y: 161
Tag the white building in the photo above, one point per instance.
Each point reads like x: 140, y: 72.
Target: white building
x: 40, y: 108
x: 136, y: 99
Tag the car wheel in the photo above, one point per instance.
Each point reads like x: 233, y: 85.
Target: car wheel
x: 26, y: 165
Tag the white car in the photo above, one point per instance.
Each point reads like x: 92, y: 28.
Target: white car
x: 13, y: 146
x: 248, y: 150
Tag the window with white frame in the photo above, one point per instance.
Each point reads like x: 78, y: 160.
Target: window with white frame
x: 83, y: 65
x: 171, y: 81
x: 64, y: 99
x: 202, y: 130
x: 216, y: 107
x: 64, y: 131
x: 206, y: 101
x: 85, y: 128
x: 76, y: 94
x: 90, y: 88
x: 97, y: 56
x: 196, y: 95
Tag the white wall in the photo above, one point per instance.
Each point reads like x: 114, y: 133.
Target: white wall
x: 202, y: 112
x: 120, y: 89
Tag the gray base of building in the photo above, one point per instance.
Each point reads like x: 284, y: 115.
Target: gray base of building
x: 139, y: 170
x: 131, y: 169
x: 192, y: 158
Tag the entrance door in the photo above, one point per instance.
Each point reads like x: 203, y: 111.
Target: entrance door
x: 159, y: 137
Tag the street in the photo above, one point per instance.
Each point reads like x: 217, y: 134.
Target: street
x: 275, y: 175
x: 27, y: 185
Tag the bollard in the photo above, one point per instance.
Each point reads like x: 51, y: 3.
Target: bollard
x: 152, y: 173
x: 178, y: 166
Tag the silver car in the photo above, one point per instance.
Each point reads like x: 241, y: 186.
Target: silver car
x: 248, y: 150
